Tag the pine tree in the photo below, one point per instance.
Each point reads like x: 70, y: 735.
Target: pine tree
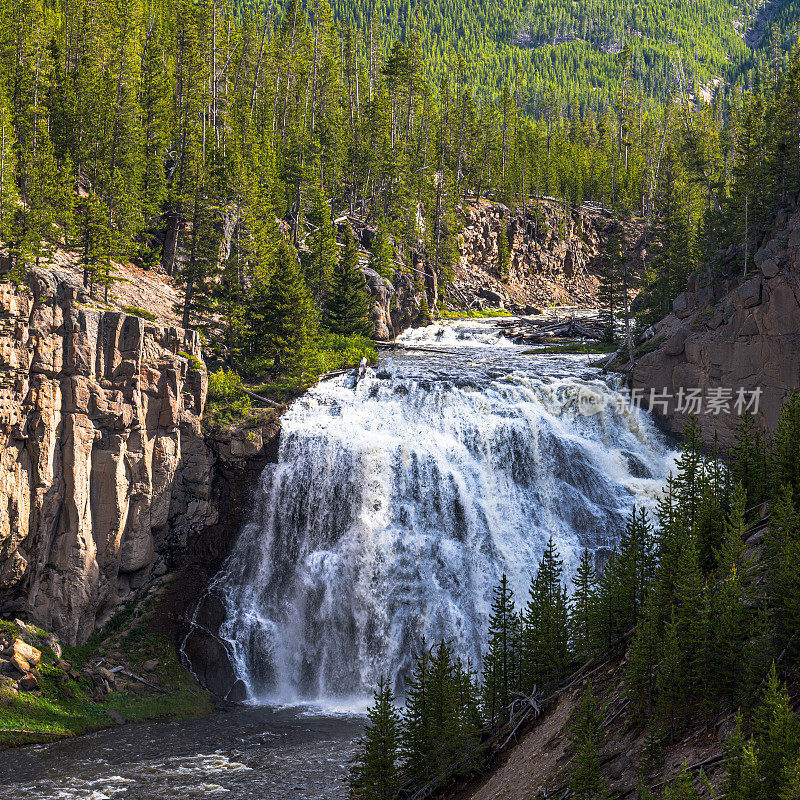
x: 670, y: 680
x: 503, y: 254
x: 498, y: 663
x: 322, y: 244
x: 583, y: 608
x: 348, y: 309
x: 382, y: 252
x: 777, y: 732
x: 784, y: 466
x: 546, y: 624
x: 748, y: 459
x: 375, y: 774
x: 283, y: 317
x: 585, y: 779
x: 415, y: 738
x: 609, y: 289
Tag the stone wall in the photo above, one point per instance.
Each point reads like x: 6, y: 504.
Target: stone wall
x: 743, y: 331
x: 106, y: 479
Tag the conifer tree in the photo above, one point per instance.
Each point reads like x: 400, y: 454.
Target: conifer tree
x: 348, y: 309
x: 670, y: 680
x: 609, y: 289
x: 498, y: 663
x: 585, y: 779
x: 682, y: 788
x: 546, y: 624
x: 375, y: 774
x: 382, y: 252
x: 283, y: 317
x: 777, y: 733
x: 583, y: 607
x: 322, y: 244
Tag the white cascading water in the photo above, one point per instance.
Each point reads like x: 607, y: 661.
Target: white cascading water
x: 396, y: 504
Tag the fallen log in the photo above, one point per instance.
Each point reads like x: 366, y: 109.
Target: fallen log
x: 129, y: 674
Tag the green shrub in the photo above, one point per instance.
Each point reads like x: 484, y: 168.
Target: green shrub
x: 225, y: 384
x: 135, y: 311
x: 342, y: 352
x: 194, y: 363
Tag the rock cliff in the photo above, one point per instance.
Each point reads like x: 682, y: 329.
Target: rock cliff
x: 553, y: 258
x: 736, y: 332
x: 106, y: 479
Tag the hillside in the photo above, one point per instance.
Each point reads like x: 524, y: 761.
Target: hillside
x: 572, y: 48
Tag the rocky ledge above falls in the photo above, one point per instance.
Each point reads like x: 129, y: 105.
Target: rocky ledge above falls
x: 107, y: 480
x: 738, y: 332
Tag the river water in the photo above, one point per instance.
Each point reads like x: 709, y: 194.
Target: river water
x: 394, y: 507
x: 244, y: 753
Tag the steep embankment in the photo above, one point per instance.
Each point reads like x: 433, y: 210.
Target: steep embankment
x: 537, y: 760
x: 737, y: 331
x: 107, y: 482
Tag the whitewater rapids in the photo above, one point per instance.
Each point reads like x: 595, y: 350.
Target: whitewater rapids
x: 396, y: 504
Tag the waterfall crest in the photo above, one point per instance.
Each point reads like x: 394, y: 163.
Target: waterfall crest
x: 396, y: 504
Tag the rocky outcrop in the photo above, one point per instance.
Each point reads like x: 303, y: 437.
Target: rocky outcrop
x: 737, y: 333
x: 395, y: 304
x: 106, y: 479
x: 552, y: 258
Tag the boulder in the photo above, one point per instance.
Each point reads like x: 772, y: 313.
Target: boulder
x: 683, y: 305
x: 677, y: 342
x: 749, y: 293
x: 29, y: 682
x: 769, y: 269
x: 211, y: 662
x: 31, y: 655
x: 20, y: 664
x: 151, y: 665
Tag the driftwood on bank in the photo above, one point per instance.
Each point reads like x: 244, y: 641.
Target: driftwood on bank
x: 537, y: 331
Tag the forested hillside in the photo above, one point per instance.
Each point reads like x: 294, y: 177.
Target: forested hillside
x: 548, y: 49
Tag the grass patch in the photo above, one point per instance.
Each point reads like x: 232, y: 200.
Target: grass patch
x: 595, y: 348
x: 195, y: 364
x: 474, y: 313
x: 67, y: 704
x: 342, y: 352
x: 229, y: 404
x: 135, y: 311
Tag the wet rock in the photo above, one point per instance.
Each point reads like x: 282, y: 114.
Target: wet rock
x: 210, y: 659
x: 237, y: 693
x: 116, y: 716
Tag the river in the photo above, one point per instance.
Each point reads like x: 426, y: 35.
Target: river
x: 395, y: 505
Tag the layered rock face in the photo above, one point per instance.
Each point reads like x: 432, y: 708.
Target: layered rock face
x: 740, y: 333
x: 552, y: 259
x: 104, y: 473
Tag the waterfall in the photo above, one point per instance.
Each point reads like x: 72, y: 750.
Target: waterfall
x: 396, y: 504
